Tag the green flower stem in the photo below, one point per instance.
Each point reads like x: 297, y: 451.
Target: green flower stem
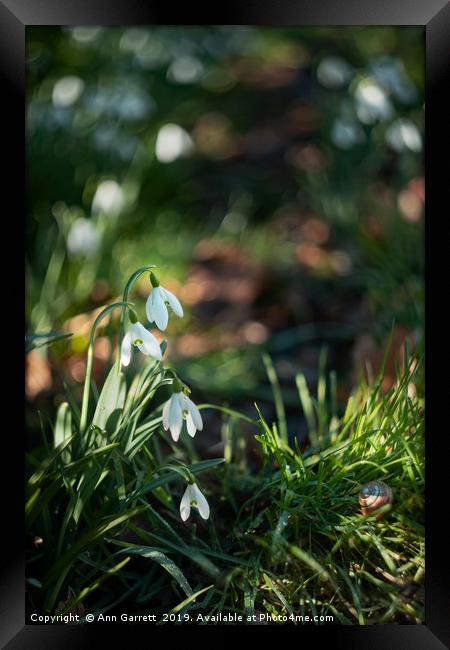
x: 170, y: 371
x: 132, y: 279
x: 90, y: 357
x: 183, y: 471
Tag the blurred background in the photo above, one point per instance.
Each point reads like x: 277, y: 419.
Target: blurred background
x: 274, y: 175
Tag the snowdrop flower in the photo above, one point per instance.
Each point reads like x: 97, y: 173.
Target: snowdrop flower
x: 172, y: 142
x: 402, y: 135
x: 334, y: 72
x: 178, y: 408
x: 140, y: 337
x: 193, y: 498
x: 347, y: 133
x: 372, y: 102
x: 83, y: 238
x: 157, y: 303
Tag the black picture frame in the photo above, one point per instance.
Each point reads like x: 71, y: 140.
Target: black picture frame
x: 434, y: 15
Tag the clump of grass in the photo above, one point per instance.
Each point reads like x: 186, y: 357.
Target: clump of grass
x: 286, y: 539
x: 310, y: 549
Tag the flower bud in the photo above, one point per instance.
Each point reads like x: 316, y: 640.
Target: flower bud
x: 154, y: 280
x: 176, y: 385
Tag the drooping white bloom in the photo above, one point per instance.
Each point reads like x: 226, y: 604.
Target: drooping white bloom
x: 66, y: 91
x: 83, y: 238
x: 108, y: 198
x: 372, y: 102
x: 402, y: 135
x: 172, y: 142
x: 157, y: 302
x: 178, y: 408
x: 193, y: 498
x: 143, y: 339
x: 334, y: 72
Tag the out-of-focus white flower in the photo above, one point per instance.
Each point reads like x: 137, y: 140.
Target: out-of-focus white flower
x: 372, y: 102
x: 333, y: 72
x: 85, y: 34
x: 392, y: 74
x: 403, y: 135
x: 143, y: 339
x: 157, y: 303
x: 193, y: 498
x: 346, y: 133
x: 176, y: 410
x: 66, y: 91
x: 185, y: 70
x: 83, y: 238
x: 108, y: 198
x: 172, y: 142
x: 134, y: 39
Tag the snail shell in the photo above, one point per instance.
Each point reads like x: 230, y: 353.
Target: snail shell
x: 374, y: 495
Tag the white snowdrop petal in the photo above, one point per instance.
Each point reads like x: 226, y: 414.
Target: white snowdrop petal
x: 175, y: 417
x: 165, y: 414
x: 147, y: 344
x: 195, y: 413
x: 160, y: 313
x: 136, y: 331
x: 185, y: 504
x: 150, y: 345
x: 125, y: 355
x: 173, y: 302
x: 191, y: 428
x: 149, y: 307
x: 202, y: 504
x: 175, y: 430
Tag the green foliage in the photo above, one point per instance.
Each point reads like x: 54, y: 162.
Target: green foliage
x: 34, y: 341
x: 296, y: 545
x: 110, y: 401
x: 311, y: 550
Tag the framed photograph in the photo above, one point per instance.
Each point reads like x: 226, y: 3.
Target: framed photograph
x: 225, y: 352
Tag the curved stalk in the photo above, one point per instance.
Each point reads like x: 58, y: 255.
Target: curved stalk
x: 132, y: 279
x: 90, y: 356
x: 183, y: 471
x: 170, y: 370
